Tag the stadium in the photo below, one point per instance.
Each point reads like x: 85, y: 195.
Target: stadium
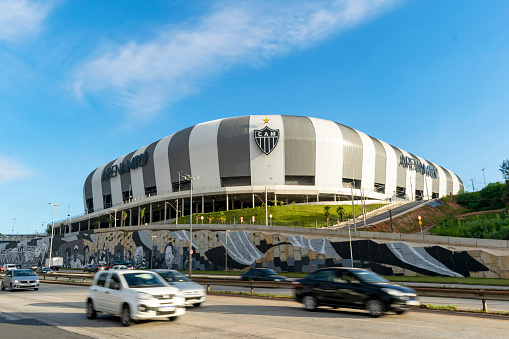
x: 233, y: 163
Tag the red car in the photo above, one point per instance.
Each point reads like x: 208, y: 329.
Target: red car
x: 109, y: 266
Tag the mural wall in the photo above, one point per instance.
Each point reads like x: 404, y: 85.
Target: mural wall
x: 169, y: 249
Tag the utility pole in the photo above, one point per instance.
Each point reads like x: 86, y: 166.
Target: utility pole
x: 266, y: 220
x: 353, y: 212
x: 484, y: 177
x: 473, y: 187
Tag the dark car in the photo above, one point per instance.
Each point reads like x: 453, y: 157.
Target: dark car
x: 353, y: 288
x: 94, y: 268
x: 262, y: 274
x: 44, y: 270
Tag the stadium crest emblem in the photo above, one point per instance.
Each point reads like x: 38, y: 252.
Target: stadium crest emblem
x: 266, y: 138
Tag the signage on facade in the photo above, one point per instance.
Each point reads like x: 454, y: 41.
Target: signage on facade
x: 266, y: 138
x: 125, y: 166
x: 416, y: 165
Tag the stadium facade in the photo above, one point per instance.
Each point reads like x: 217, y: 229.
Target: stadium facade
x: 294, y: 158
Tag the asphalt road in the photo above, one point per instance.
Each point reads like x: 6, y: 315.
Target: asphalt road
x: 58, y: 311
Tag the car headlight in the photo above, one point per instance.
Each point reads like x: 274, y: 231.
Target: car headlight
x: 16, y: 281
x: 145, y: 296
x: 179, y: 293
x: 394, y: 292
x: 37, y: 281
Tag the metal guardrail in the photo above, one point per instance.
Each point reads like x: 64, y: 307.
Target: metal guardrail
x: 438, y: 292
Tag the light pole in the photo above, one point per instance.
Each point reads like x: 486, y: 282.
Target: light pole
x: 226, y: 254
x: 13, y: 220
x: 190, y: 178
x: 52, y: 227
x: 152, y: 251
x: 484, y: 177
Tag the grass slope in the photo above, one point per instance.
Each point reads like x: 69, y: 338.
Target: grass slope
x: 285, y: 215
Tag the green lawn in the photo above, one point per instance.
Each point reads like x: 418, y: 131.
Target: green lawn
x: 286, y: 215
x: 451, y: 280
x: 493, y: 225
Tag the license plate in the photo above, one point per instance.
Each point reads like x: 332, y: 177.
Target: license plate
x: 413, y: 302
x: 166, y: 308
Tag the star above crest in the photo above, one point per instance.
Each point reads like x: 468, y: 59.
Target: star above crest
x: 266, y: 120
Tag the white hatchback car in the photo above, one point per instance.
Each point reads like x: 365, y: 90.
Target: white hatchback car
x: 134, y: 295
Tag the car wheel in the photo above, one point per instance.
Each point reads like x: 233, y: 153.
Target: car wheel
x: 375, y: 307
x: 197, y: 305
x: 174, y: 318
x: 125, y: 317
x: 399, y: 312
x: 2, y: 287
x: 91, y: 312
x: 11, y: 289
x: 310, y: 302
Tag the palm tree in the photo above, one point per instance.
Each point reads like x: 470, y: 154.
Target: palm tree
x: 340, y: 210
x: 326, y: 212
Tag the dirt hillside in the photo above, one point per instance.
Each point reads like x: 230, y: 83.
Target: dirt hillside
x: 409, y: 223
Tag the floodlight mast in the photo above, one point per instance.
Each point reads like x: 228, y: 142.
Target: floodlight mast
x: 190, y: 178
x: 52, y: 227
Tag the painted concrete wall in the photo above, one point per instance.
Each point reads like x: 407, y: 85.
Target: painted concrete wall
x: 279, y: 251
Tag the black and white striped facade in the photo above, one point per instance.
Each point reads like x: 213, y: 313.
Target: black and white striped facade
x: 312, y: 160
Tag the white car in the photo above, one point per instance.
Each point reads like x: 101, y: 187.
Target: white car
x: 134, y: 295
x: 193, y: 292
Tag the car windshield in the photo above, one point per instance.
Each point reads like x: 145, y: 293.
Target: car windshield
x: 170, y: 276
x: 267, y: 272
x: 368, y: 276
x: 23, y: 273
x: 142, y: 280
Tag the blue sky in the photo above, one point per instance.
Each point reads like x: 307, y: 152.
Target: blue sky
x: 85, y: 82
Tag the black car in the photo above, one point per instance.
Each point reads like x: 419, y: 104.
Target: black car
x: 353, y: 288
x: 93, y: 268
x: 262, y: 274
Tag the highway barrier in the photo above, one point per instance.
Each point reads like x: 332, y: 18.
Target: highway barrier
x: 439, y: 292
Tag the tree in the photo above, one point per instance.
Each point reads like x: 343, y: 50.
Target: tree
x: 97, y: 223
x: 340, y: 210
x: 221, y: 217
x: 326, y: 212
x: 504, y: 168
x: 124, y: 217
x: 142, y: 215
x: 210, y: 217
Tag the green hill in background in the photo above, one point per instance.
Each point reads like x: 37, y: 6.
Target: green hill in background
x: 283, y: 215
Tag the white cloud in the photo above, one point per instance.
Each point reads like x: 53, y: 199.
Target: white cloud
x: 143, y: 77
x: 11, y: 170
x: 19, y: 18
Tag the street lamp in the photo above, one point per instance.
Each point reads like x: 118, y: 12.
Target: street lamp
x: 52, y: 227
x: 152, y: 251
x: 190, y: 178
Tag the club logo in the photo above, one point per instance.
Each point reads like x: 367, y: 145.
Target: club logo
x: 266, y: 138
